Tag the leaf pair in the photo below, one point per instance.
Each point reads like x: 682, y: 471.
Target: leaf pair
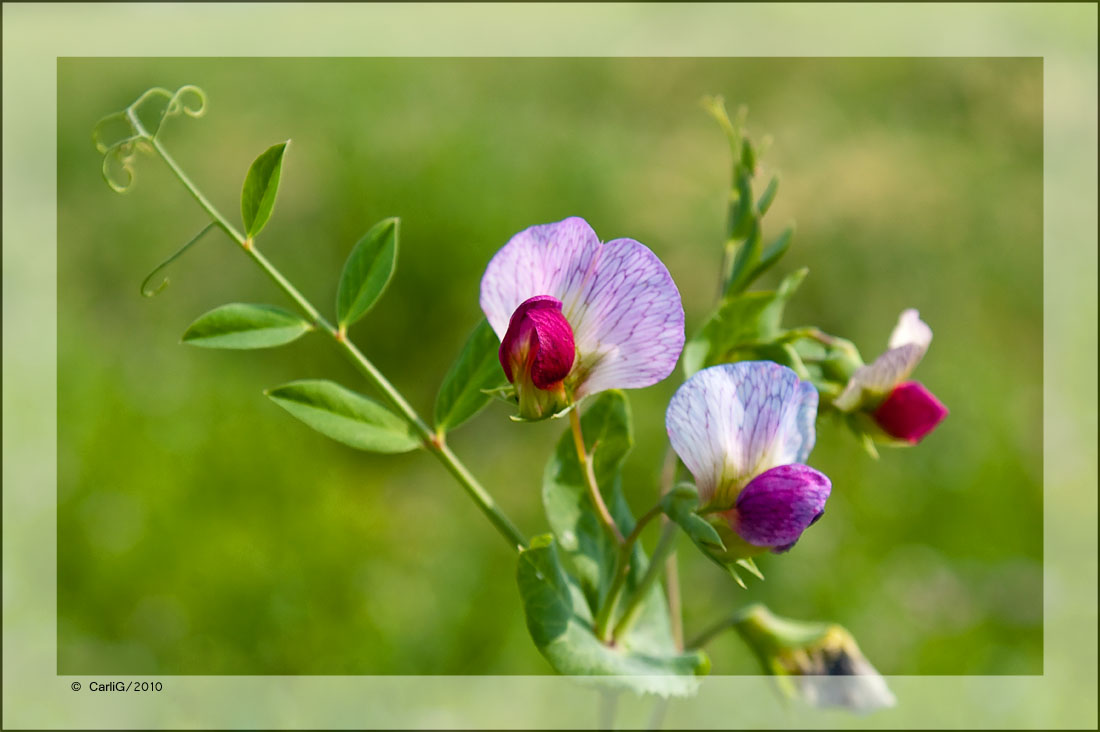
x: 369, y: 267
x: 329, y: 408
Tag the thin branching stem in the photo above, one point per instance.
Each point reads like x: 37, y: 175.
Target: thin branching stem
x: 433, y: 442
x: 585, y: 461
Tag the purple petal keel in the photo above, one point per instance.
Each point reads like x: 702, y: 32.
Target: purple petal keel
x: 778, y: 505
x: 910, y: 412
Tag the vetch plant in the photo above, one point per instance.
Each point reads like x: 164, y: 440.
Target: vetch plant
x: 571, y: 322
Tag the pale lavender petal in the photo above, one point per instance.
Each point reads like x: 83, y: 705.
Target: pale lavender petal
x: 618, y: 297
x: 730, y: 422
x: 778, y: 505
x: 541, y: 260
x: 627, y: 319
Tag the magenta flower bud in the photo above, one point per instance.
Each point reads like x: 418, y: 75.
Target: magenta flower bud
x: 776, y: 506
x: 538, y: 345
x: 910, y: 412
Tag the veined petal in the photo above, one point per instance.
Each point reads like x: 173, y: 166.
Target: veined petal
x: 731, y: 422
x: 908, y: 343
x: 628, y: 319
x: 541, y: 260
x: 778, y: 505
x: 619, y: 299
x: 880, y: 376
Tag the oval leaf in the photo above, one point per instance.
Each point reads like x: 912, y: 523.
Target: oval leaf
x: 345, y: 416
x: 240, y: 325
x: 477, y: 370
x: 260, y: 186
x: 367, y: 272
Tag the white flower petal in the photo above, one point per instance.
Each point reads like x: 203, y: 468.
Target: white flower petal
x: 910, y: 330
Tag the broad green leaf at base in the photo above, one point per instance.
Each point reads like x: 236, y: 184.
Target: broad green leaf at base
x: 560, y: 623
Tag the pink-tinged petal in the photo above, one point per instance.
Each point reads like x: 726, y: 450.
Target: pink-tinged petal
x: 541, y: 260
x: 539, y: 343
x: 619, y: 299
x: 778, y: 505
x: 910, y: 412
x: 880, y: 376
x: 730, y: 422
x: 628, y: 319
x: 909, y: 342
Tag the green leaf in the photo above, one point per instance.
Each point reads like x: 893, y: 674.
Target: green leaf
x: 772, y: 253
x: 586, y: 547
x: 260, y: 187
x: 680, y: 504
x: 240, y: 325
x: 560, y: 622
x: 477, y: 371
x: 768, y: 196
x: 367, y: 272
x: 345, y: 416
x: 747, y: 319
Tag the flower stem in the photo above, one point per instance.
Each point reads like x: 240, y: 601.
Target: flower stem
x: 653, y: 571
x: 672, y: 570
x: 727, y: 622
x: 432, y: 442
x: 622, y: 571
x: 585, y: 461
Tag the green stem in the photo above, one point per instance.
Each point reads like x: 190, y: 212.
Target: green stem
x: 622, y: 571
x: 432, y: 441
x: 725, y: 623
x: 672, y: 569
x: 585, y: 461
x: 634, y: 606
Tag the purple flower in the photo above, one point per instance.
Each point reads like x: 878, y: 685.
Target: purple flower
x: 904, y: 410
x: 576, y: 317
x: 744, y: 430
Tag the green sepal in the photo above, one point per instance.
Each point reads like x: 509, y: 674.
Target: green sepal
x: 679, y: 504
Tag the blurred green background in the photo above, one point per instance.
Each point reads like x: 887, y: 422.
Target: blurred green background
x: 201, y: 530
